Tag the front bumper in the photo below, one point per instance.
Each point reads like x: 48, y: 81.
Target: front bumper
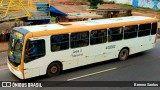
x: 17, y: 73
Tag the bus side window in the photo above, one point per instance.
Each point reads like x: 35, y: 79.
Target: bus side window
x: 93, y: 39
x: 115, y: 34
x: 79, y: 39
x: 109, y: 35
x: 59, y: 42
x: 130, y: 31
x: 154, y: 28
x: 34, y: 49
x: 144, y: 30
x: 98, y: 36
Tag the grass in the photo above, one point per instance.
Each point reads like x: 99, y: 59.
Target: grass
x: 79, y: 0
x: 126, y: 6
x: 141, y: 8
x: 158, y: 10
x: 110, y: 2
x: 138, y: 8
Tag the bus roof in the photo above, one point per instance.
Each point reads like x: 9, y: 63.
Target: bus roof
x: 63, y: 26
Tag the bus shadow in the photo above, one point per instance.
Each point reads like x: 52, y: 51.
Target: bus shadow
x: 137, y: 55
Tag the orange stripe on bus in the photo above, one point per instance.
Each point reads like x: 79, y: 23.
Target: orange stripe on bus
x: 156, y: 34
x: 81, y: 28
x: 23, y: 53
x: 15, y: 68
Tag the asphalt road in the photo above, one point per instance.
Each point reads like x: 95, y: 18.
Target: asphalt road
x: 3, y: 60
x: 144, y: 66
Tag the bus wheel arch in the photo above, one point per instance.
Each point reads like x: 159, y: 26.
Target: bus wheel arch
x: 54, y: 68
x: 124, y: 53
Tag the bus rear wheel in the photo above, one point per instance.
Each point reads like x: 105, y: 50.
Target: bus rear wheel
x: 123, y: 55
x: 53, y: 69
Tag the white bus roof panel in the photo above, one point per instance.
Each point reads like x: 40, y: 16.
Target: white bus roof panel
x: 37, y: 28
x: 115, y: 20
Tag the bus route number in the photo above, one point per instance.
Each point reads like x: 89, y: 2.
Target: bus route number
x: 111, y: 47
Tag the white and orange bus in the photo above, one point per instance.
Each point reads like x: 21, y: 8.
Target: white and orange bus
x: 68, y: 45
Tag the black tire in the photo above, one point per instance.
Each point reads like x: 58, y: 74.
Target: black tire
x: 53, y: 69
x: 123, y: 54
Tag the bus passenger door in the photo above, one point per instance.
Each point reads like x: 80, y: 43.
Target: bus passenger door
x: 35, y: 52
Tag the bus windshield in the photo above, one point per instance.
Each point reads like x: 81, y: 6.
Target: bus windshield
x: 15, y: 48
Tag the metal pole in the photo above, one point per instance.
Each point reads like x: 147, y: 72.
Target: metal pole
x: 49, y: 2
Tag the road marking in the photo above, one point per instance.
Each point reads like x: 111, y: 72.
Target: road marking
x: 3, y: 69
x: 91, y: 74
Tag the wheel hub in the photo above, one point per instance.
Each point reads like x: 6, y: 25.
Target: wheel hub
x: 54, y: 69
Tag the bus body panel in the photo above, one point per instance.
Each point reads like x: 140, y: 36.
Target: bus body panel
x: 32, y: 68
x: 85, y: 56
x: 80, y: 56
x: 18, y: 73
x: 74, y: 57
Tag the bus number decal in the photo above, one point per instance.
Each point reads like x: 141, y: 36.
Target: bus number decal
x: 111, y: 47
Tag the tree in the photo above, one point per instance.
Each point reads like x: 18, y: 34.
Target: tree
x: 94, y: 3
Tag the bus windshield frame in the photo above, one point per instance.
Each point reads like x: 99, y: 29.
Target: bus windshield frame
x: 15, y: 48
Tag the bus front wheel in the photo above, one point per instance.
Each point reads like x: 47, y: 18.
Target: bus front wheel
x: 123, y: 55
x: 53, y: 69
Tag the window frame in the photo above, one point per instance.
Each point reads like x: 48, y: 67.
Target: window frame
x: 155, y: 28
x: 51, y: 44
x: 80, y: 35
x: 100, y: 36
x: 140, y: 31
x: 135, y: 27
x: 31, y: 58
x: 122, y: 33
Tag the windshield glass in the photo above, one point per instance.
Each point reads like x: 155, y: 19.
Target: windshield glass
x: 15, y: 48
